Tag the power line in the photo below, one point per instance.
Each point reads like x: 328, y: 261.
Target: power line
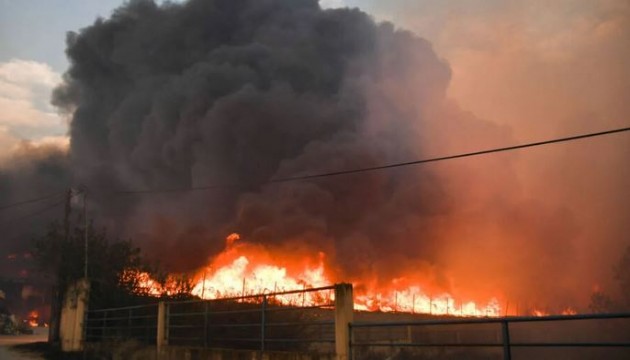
x: 449, y: 157
x: 38, y: 212
x: 20, y: 203
x: 388, y: 166
x: 33, y: 214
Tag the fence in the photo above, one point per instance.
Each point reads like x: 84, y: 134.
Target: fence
x: 301, y: 321
x: 574, y: 336
x: 132, y: 322
x: 321, y: 321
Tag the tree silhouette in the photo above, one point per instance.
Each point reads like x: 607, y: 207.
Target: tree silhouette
x: 602, y: 302
x: 622, y: 275
x: 60, y: 253
x: 64, y: 257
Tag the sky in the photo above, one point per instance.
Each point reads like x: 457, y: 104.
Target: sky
x: 542, y: 69
x: 32, y: 61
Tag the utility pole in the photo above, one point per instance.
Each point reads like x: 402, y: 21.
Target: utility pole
x: 66, y: 215
x: 57, y: 292
x: 85, y: 218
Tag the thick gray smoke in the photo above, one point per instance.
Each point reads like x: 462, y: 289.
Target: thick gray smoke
x: 239, y: 92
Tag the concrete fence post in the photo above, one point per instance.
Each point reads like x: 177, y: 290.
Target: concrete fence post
x: 162, y: 339
x: 344, y: 306
x: 72, y: 325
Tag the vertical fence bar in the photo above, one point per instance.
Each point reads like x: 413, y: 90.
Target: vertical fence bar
x: 167, y: 331
x: 104, y: 330
x: 507, y: 353
x: 129, y: 314
x: 85, y: 328
x: 205, y: 324
x: 146, y: 335
x: 350, y: 339
x: 262, y: 324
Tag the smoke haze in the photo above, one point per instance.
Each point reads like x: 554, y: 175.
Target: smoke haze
x: 545, y: 70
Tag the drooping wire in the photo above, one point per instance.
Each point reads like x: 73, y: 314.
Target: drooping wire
x: 25, y: 202
x: 38, y: 212
x: 33, y: 214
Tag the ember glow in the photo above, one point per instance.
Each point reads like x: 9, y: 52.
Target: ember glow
x: 539, y: 313
x: 144, y: 282
x: 569, y: 311
x: 33, y: 318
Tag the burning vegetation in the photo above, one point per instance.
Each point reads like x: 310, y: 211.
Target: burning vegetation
x: 244, y: 269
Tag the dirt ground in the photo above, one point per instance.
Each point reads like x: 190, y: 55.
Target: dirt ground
x: 11, y: 346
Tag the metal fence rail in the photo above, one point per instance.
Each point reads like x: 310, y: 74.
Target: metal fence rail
x: 301, y: 320
x: 131, y: 322
x: 494, y: 337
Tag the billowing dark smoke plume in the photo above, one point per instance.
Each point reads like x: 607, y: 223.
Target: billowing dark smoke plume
x: 239, y: 92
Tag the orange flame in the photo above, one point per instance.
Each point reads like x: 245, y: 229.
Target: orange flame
x: 569, y: 311
x: 33, y: 319
x: 539, y: 313
x: 246, y: 269
x: 144, y: 284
